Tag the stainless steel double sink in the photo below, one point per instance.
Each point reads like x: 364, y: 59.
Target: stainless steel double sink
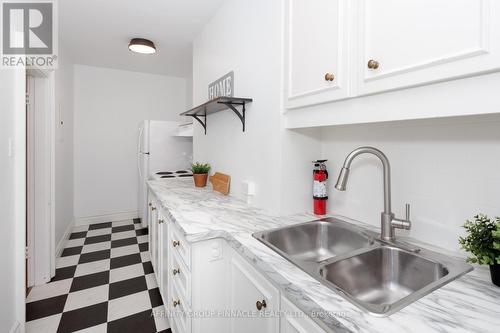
x: 378, y: 277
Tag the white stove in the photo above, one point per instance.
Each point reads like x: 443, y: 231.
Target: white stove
x: 172, y: 174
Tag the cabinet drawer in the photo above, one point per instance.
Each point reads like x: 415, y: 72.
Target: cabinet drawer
x: 180, y: 277
x: 180, y: 319
x: 179, y: 245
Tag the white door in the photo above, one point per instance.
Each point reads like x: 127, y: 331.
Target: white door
x: 413, y: 42
x: 316, y: 52
x: 153, y: 234
x: 251, y: 293
x: 163, y: 264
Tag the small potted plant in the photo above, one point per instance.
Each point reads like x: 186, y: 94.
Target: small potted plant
x: 483, y: 242
x: 200, y: 173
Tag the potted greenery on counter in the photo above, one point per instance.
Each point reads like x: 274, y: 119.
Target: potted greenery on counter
x: 200, y: 173
x: 483, y: 242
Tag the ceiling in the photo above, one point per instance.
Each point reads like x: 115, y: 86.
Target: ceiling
x: 97, y: 32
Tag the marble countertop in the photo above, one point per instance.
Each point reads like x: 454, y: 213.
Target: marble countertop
x: 468, y: 304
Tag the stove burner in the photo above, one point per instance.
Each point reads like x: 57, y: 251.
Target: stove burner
x: 164, y: 173
x: 182, y: 171
x: 185, y: 176
x: 167, y: 177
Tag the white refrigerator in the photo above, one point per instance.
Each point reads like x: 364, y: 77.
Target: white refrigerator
x: 159, y: 149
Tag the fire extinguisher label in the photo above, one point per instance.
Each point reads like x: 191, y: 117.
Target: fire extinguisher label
x: 319, y: 189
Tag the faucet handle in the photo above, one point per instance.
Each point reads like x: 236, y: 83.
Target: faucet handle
x: 403, y: 224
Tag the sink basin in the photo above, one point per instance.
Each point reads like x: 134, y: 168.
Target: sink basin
x: 377, y: 276
x: 382, y: 277
x: 315, y: 241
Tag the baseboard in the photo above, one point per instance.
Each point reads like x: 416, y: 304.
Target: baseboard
x: 106, y: 218
x: 64, y: 238
x: 16, y: 327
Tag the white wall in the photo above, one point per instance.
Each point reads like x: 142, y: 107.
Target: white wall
x: 243, y: 36
x: 12, y: 198
x: 447, y: 169
x: 109, y: 104
x: 64, y: 209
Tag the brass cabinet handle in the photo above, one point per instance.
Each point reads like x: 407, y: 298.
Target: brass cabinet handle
x: 153, y: 208
x: 176, y: 243
x: 329, y: 77
x: 261, y: 304
x: 176, y: 271
x: 175, y: 303
x: 373, y: 64
x: 160, y: 221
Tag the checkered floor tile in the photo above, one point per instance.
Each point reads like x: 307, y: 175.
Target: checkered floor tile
x: 104, y: 282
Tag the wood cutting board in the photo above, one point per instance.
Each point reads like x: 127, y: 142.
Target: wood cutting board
x: 220, y: 182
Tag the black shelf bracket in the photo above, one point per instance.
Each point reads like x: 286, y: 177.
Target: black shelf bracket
x: 202, y: 122
x: 241, y: 114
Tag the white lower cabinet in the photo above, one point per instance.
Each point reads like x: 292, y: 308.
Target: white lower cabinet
x: 293, y: 320
x: 208, y: 287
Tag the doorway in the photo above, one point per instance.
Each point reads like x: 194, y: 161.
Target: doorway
x: 40, y: 117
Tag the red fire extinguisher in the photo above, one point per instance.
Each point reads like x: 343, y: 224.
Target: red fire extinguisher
x: 320, y: 194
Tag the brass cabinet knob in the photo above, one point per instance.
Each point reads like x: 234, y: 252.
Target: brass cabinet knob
x: 261, y: 304
x: 160, y: 221
x: 176, y: 302
x: 176, y: 243
x: 176, y: 271
x: 373, y: 64
x: 150, y: 204
x: 329, y: 77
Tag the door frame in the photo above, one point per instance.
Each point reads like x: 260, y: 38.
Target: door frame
x: 41, y: 247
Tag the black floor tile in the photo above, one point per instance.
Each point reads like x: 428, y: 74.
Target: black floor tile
x: 142, y: 322
x: 94, y: 256
x: 127, y: 287
x: 123, y: 242
x: 128, y: 260
x: 155, y: 297
x: 141, y: 232
x: 143, y: 247
x: 97, y: 239
x: 83, y: 318
x: 137, y: 221
x: 45, y: 307
x: 64, y: 273
x: 122, y: 228
x: 71, y: 251
x: 100, y: 226
x: 148, y: 267
x: 89, y: 281
x: 76, y: 235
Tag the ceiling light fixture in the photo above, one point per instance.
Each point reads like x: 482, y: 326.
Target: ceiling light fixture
x: 141, y: 45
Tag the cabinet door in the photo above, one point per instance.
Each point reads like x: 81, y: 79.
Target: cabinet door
x: 163, y: 258
x: 153, y: 235
x: 414, y: 42
x: 293, y: 320
x: 247, y: 287
x: 315, y: 45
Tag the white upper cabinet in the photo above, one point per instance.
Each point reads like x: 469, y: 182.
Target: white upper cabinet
x: 414, y: 42
x: 315, y: 52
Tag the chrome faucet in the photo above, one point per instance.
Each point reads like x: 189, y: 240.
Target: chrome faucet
x: 388, y: 221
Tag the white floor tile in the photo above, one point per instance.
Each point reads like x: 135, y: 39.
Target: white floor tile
x: 128, y: 305
x: 142, y: 239
x: 120, y: 223
x: 92, y: 267
x: 80, y: 228
x: 124, y: 273
x: 103, y: 328
x: 99, y: 232
x: 44, y: 325
x: 67, y: 261
x: 75, y: 242
x: 86, y: 297
x: 160, y: 318
x: 96, y: 247
x: 122, y: 235
x: 145, y: 256
x: 48, y: 290
x: 151, y: 281
x: 124, y: 250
